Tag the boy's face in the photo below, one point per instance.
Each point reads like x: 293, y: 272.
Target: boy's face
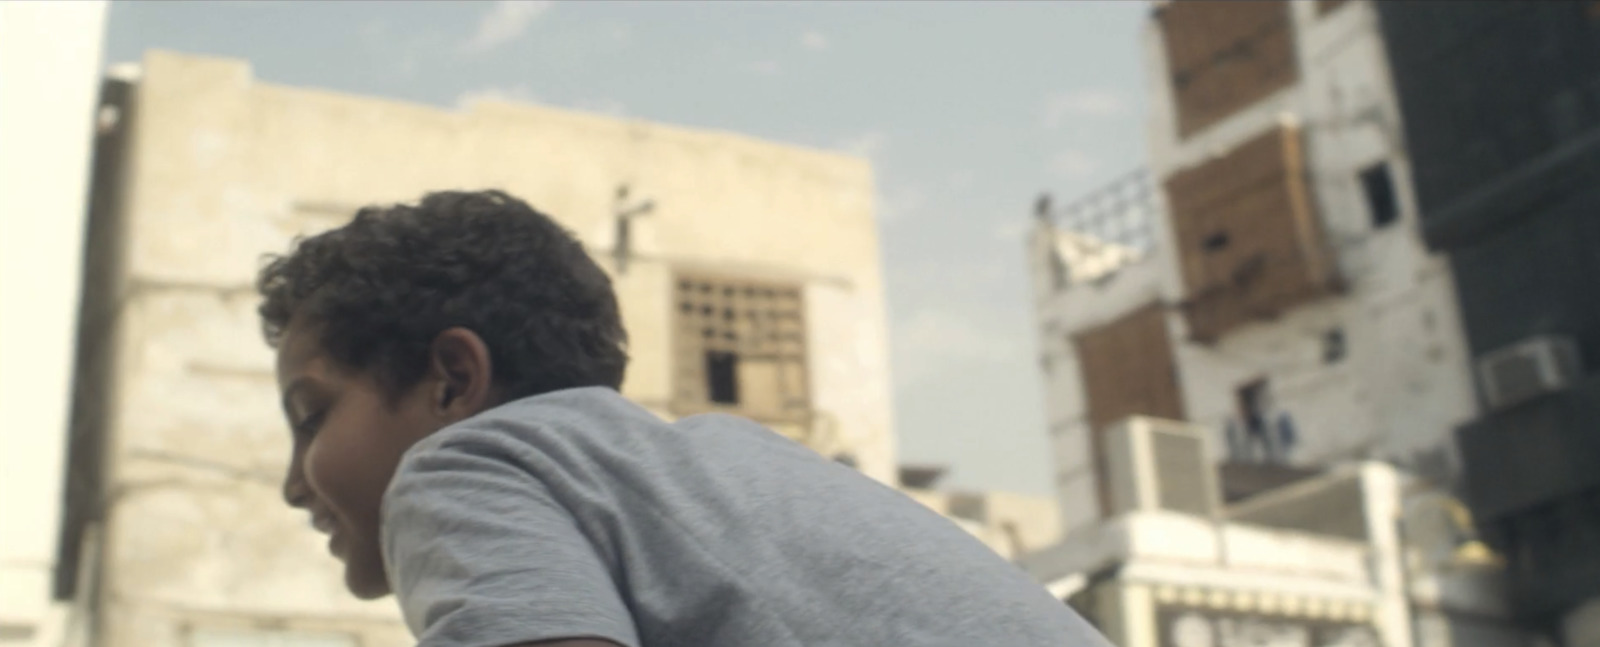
x: 348, y: 440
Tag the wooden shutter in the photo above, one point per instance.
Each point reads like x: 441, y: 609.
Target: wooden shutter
x: 1223, y: 56
x: 1128, y: 370
x: 1249, y: 244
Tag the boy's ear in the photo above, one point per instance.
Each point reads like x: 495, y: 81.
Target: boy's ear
x: 459, y: 363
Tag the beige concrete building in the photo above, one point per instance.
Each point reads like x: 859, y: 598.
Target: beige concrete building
x: 49, y: 62
x: 1009, y: 523
x: 175, y: 530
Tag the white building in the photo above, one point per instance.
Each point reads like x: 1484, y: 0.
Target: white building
x: 1265, y: 283
x: 49, y: 86
x: 1011, y: 524
x: 1359, y: 556
x: 1268, y: 264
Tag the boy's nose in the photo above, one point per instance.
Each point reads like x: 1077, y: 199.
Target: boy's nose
x: 295, y: 491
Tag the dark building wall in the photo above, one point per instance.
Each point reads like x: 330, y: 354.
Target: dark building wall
x: 1501, y: 102
x: 1502, y: 117
x: 1540, y: 274
x: 1535, y: 494
x: 1488, y: 87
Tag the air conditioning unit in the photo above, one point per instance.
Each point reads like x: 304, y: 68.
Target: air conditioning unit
x: 1527, y: 370
x: 1156, y: 464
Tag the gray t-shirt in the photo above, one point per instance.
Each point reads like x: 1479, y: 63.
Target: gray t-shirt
x: 579, y: 514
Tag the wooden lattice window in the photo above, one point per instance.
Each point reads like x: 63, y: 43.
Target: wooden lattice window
x: 1250, y: 243
x: 740, y: 347
x: 1225, y: 56
x: 1128, y: 369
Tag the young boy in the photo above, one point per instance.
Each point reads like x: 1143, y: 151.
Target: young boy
x: 450, y: 373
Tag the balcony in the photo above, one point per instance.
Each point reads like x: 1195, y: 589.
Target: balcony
x: 1532, y: 483
x: 1533, y: 454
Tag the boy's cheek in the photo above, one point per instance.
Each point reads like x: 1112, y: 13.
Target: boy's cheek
x: 324, y: 470
x: 348, y: 475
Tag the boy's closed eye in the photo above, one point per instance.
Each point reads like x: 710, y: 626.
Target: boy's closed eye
x: 308, y: 425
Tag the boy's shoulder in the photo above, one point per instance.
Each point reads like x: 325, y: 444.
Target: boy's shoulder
x: 556, y: 411
x: 562, y: 429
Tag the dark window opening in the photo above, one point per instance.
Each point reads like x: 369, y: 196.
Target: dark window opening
x: 1333, y: 346
x: 1251, y: 439
x: 1215, y: 242
x: 722, y: 376
x: 1378, y: 185
x: 1253, y: 405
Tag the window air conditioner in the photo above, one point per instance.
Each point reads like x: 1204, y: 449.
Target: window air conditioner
x: 1527, y: 370
x: 1159, y: 464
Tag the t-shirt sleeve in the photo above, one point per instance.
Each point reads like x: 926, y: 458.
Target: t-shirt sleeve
x: 481, y: 555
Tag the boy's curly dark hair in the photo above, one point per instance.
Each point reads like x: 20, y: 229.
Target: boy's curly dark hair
x: 381, y: 288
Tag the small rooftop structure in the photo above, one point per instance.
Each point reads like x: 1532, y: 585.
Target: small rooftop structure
x: 922, y: 477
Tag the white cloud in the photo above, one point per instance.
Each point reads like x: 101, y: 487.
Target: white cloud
x: 869, y: 144
x: 764, y: 68
x: 814, y: 41
x: 506, y: 21
x: 519, y: 92
x: 1061, y: 108
x: 1073, y: 165
x: 932, y: 341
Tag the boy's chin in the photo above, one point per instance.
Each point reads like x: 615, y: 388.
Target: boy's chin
x: 365, y: 585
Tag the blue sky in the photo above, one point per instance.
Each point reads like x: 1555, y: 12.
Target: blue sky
x: 967, y: 110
